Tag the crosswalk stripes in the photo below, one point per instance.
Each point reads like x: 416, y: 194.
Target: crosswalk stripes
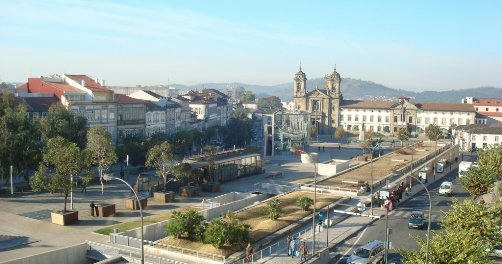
x: 406, y: 214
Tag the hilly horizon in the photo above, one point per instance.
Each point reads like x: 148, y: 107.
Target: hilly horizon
x: 356, y: 89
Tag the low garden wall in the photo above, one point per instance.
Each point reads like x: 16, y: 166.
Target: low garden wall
x: 215, y: 212
x: 228, y: 197
x: 76, y: 254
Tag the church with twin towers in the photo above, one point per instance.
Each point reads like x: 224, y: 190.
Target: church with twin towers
x: 329, y: 111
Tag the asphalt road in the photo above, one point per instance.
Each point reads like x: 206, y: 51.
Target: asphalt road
x: 401, y: 236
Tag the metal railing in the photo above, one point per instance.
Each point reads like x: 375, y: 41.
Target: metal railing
x: 107, y: 251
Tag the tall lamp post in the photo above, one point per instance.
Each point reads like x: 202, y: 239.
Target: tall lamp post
x: 109, y: 178
x: 428, y: 224
x: 313, y: 159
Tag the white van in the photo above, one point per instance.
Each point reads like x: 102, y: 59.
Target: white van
x: 464, y: 166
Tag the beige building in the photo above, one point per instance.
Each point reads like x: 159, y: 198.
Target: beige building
x: 328, y: 110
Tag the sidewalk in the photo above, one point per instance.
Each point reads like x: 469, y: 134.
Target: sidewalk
x: 337, y: 233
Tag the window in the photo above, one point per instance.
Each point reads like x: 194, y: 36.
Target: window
x: 496, y: 138
x: 149, y: 118
x: 496, y: 109
x: 485, y: 138
x: 443, y: 121
x: 379, y: 119
x: 452, y: 121
x: 349, y: 118
x: 419, y: 120
x: 467, y: 122
x: 459, y: 121
x: 435, y: 120
x: 97, y: 114
x: 395, y: 129
x: 371, y: 118
x: 104, y: 115
x: 473, y: 137
x: 111, y: 115
x: 155, y: 117
x: 341, y: 117
x: 356, y: 118
x: 487, y: 109
x: 364, y: 118
x: 395, y: 119
x: 162, y: 117
x: 371, y: 128
x: 349, y: 127
x: 379, y: 128
x: 386, y: 119
x: 427, y: 120
x: 410, y: 119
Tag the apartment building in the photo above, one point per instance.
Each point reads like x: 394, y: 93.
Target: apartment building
x: 476, y: 136
x: 488, y: 110
x: 131, y: 114
x: 210, y: 106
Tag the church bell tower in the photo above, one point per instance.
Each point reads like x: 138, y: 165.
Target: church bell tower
x: 300, y: 90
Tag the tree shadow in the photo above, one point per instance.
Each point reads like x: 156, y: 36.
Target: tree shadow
x: 130, y: 214
x: 96, y: 222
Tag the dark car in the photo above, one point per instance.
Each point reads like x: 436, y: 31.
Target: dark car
x: 416, y: 220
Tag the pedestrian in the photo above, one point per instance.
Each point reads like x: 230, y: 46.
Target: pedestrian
x: 288, y: 241
x: 339, y: 147
x: 319, y: 148
x: 92, y: 208
x: 292, y: 247
x: 303, y: 251
x: 322, y: 148
x: 249, y: 253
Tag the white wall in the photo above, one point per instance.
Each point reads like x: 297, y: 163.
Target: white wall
x: 329, y: 169
x: 70, y: 255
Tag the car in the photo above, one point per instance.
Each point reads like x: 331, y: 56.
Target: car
x: 446, y: 188
x: 416, y: 220
x: 367, y: 253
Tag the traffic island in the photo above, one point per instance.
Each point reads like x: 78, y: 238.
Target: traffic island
x: 132, y: 203
x: 64, y: 218
x: 163, y: 197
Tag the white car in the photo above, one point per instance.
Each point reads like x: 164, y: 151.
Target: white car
x: 446, y: 188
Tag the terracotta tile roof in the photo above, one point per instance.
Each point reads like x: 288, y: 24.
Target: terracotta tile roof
x: 38, y: 85
x: 445, y: 107
x: 40, y: 104
x: 488, y: 101
x: 481, y: 129
x: 124, y: 99
x: 489, y: 114
x: 367, y: 104
x: 89, y: 82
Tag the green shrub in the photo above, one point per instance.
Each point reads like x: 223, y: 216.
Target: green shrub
x: 304, y: 203
x: 273, y: 209
x: 189, y: 224
x: 227, y: 230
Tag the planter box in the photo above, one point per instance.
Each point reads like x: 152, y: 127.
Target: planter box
x: 162, y: 197
x: 211, y: 187
x: 131, y: 203
x: 68, y: 218
x: 106, y: 210
x: 188, y: 191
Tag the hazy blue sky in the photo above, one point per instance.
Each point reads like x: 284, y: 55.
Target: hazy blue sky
x: 403, y: 44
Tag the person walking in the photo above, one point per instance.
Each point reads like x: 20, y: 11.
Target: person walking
x: 96, y: 209
x: 92, y: 208
x: 292, y: 247
x: 303, y: 251
x: 249, y: 253
x: 288, y: 241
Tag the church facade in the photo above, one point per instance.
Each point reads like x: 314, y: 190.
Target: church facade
x: 329, y: 111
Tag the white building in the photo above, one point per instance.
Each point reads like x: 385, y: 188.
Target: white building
x: 211, y: 106
x: 488, y: 110
x: 476, y: 136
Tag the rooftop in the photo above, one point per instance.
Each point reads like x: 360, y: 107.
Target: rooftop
x: 124, y: 99
x: 488, y: 101
x: 90, y: 83
x: 481, y: 129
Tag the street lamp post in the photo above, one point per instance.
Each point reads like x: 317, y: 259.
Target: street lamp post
x: 108, y: 178
x: 371, y: 187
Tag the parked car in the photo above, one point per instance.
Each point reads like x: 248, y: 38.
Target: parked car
x: 367, y: 253
x: 416, y: 220
x: 446, y: 188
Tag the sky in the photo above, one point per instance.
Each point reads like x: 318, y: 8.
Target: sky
x: 413, y: 45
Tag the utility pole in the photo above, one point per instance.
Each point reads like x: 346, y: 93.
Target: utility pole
x: 371, y: 187
x: 327, y: 227
x: 11, y: 180
x: 313, y: 211
x: 386, y: 233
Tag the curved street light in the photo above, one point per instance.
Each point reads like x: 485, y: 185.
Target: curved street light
x: 428, y: 224
x: 107, y: 177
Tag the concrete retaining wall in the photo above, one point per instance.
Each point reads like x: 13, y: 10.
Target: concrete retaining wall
x: 151, y: 232
x: 215, y: 212
x: 69, y: 255
x: 327, y: 169
x: 228, y: 198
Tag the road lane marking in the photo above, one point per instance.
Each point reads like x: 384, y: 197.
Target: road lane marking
x: 348, y: 250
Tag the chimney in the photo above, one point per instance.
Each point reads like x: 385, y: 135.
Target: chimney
x: 82, y: 82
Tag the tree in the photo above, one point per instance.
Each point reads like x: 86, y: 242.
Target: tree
x: 239, y: 131
x: 61, y: 122
x: 304, y: 203
x: 19, y: 137
x: 273, y: 209
x: 403, y: 135
x: 433, y: 132
x: 481, y: 221
x: 340, y: 132
x: 163, y: 159
x: 491, y: 158
x: 99, y: 145
x: 227, y: 230
x: 210, y: 152
x: 247, y: 97
x: 478, y: 180
x: 189, y: 225
x: 62, y: 160
x: 183, y: 172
